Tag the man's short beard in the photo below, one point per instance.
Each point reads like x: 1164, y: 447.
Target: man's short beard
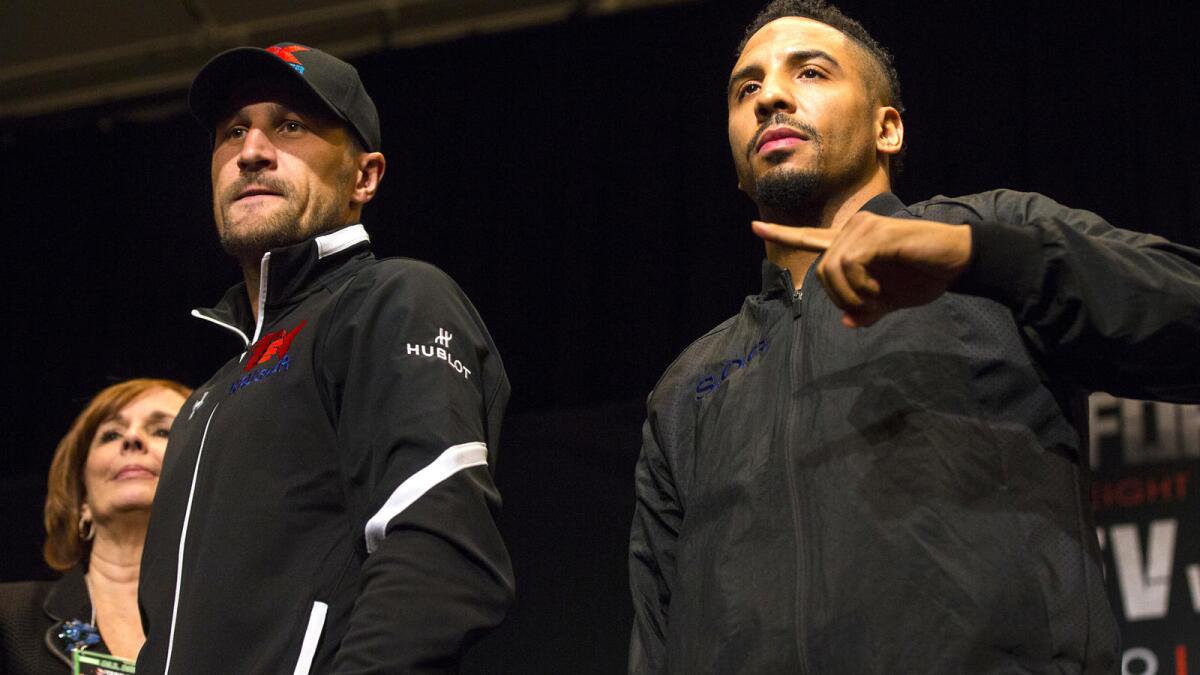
x: 787, y: 190
x: 279, y: 229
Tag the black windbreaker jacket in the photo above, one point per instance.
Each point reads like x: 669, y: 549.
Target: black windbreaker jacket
x: 326, y: 501
x: 909, y: 497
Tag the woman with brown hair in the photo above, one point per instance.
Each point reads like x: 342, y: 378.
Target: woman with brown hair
x: 101, y: 485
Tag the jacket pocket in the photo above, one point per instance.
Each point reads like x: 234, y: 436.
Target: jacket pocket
x: 312, y: 636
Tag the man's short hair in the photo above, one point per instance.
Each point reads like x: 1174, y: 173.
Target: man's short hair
x: 885, y: 83
x: 882, y: 80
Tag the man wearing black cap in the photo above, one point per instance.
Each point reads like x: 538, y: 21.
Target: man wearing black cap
x: 327, y: 502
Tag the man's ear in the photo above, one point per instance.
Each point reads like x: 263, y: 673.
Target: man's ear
x: 369, y: 173
x: 889, y: 128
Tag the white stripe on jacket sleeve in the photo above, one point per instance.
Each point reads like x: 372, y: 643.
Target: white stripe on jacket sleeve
x: 451, y: 461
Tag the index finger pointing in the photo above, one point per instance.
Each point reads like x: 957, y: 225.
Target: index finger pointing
x: 804, y: 238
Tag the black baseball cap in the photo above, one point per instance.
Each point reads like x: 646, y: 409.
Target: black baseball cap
x: 334, y: 82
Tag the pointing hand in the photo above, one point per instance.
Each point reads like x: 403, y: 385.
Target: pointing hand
x: 876, y: 264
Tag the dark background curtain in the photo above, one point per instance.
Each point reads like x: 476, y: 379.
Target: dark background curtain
x: 575, y: 179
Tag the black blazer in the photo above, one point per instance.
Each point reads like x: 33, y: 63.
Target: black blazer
x: 31, y: 615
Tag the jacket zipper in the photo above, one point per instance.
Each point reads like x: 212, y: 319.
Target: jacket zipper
x: 263, y: 268
x: 794, y: 352
x: 187, y: 516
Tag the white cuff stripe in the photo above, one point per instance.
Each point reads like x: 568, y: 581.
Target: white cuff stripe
x: 308, y: 648
x: 454, y: 459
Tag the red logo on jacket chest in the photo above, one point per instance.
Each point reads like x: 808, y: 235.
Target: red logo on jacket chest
x: 273, y: 345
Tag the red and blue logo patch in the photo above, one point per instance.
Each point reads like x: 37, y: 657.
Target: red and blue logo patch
x: 267, y: 357
x: 287, y: 55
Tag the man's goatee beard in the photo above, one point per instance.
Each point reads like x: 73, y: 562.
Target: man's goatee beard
x: 282, y: 229
x: 787, y: 191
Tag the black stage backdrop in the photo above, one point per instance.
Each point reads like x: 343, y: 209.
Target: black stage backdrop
x: 575, y: 179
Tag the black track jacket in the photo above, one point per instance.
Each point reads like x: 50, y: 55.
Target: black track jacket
x: 909, y: 497
x: 326, y: 501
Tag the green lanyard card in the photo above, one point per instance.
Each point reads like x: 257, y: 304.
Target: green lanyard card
x: 92, y: 663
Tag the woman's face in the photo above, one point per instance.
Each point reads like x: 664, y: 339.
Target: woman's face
x: 125, y: 457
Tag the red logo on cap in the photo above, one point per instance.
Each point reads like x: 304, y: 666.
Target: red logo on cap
x: 285, y: 53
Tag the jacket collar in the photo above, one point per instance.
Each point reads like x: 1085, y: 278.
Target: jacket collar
x: 68, y: 597
x: 68, y: 600
x: 883, y: 204
x: 776, y: 279
x: 287, y: 274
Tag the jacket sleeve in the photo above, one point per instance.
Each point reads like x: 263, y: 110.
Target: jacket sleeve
x: 1118, y: 311
x: 417, y: 392
x: 656, y: 519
